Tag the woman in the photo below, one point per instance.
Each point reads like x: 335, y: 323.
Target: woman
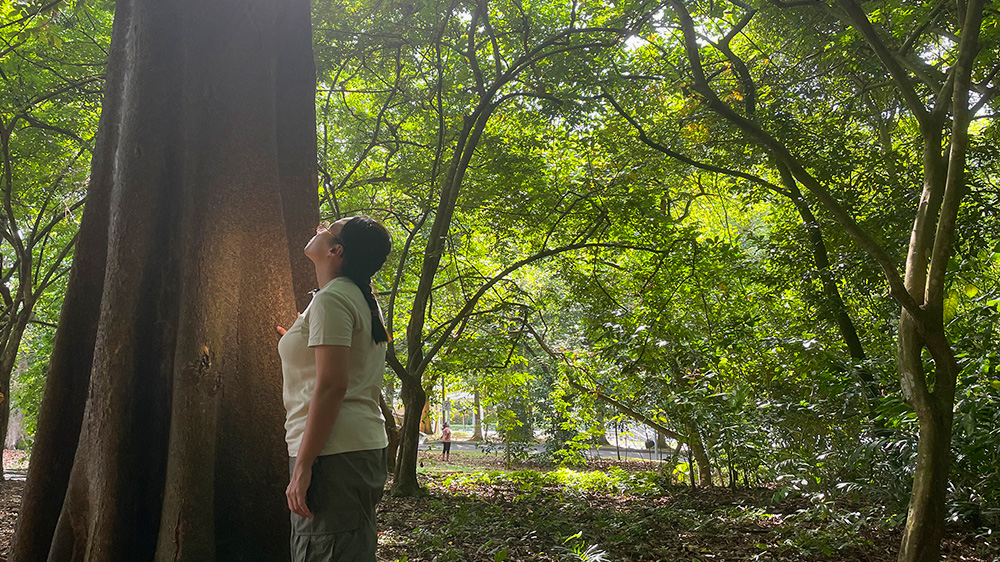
x: 332, y: 360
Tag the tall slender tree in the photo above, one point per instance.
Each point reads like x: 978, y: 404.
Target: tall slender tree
x: 940, y: 100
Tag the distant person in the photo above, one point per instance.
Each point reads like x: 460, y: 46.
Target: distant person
x: 446, y: 441
x: 332, y: 360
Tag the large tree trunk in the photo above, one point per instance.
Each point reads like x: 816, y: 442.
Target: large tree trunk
x: 203, y: 183
x: 414, y: 399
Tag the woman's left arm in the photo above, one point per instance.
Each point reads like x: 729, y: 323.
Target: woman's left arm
x: 332, y: 364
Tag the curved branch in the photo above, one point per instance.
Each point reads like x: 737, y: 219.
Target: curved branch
x: 859, y: 19
x: 644, y: 137
x: 472, y: 302
x: 887, y: 263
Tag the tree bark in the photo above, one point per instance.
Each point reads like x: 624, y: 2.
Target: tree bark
x: 922, y: 535
x: 391, y: 431
x: 477, y: 434
x: 700, y: 456
x: 426, y: 420
x: 834, y: 301
x: 177, y: 452
x: 414, y: 399
x: 61, y: 411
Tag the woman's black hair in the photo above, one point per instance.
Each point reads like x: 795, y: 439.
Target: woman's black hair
x: 366, y: 246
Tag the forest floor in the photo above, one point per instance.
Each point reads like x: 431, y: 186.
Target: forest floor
x: 476, y: 511
x: 570, y: 516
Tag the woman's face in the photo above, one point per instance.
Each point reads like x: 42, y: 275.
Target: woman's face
x: 325, y: 244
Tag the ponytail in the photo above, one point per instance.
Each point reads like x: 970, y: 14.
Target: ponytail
x: 366, y: 245
x: 379, y: 333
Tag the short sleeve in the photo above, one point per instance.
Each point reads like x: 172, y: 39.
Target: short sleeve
x: 331, y: 318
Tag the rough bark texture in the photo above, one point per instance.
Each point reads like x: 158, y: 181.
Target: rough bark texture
x: 161, y: 430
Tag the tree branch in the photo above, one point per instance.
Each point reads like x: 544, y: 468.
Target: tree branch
x: 955, y: 183
x: 856, y: 14
x: 472, y: 302
x: 897, y: 288
x: 644, y: 137
x: 620, y: 406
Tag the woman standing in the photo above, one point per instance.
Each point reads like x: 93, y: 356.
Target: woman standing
x: 332, y: 361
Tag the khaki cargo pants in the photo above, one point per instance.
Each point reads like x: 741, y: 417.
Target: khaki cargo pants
x: 344, y: 491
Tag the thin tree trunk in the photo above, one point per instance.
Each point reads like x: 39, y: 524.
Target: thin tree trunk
x: 700, y: 456
x: 414, y: 399
x: 694, y: 481
x: 445, y: 407
x: 834, y: 301
x: 7, y: 361
x: 732, y: 468
x: 922, y: 538
x: 618, y: 450
x: 391, y: 431
x: 4, y: 414
x: 477, y: 435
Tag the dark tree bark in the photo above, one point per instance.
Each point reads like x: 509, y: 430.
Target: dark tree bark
x: 405, y: 482
x: 161, y: 432
x: 391, y: 431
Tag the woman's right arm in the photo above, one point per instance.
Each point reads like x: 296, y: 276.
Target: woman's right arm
x: 332, y: 372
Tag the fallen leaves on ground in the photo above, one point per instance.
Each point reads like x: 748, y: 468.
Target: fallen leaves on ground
x: 491, y: 522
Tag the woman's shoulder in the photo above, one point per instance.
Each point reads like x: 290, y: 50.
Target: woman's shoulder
x: 341, y: 292
x: 339, y: 287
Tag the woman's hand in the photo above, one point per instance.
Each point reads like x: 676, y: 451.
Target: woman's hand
x: 297, y: 489
x: 281, y: 331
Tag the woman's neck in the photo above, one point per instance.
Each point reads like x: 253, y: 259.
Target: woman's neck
x: 324, y: 275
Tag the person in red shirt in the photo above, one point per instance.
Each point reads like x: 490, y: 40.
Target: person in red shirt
x: 446, y: 440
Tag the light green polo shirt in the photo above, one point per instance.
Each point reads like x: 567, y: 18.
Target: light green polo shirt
x: 337, y: 315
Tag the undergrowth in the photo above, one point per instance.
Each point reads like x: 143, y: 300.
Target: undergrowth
x: 632, y: 515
